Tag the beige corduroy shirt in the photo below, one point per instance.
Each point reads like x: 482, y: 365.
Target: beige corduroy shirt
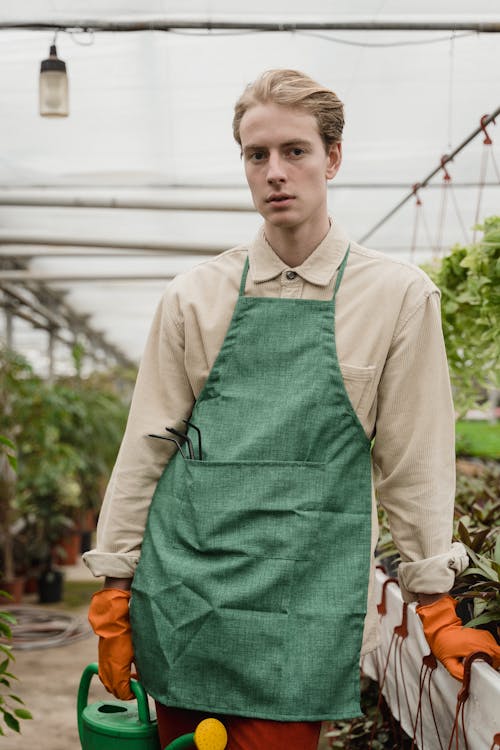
x: 391, y: 353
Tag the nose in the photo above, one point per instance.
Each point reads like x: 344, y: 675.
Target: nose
x: 275, y: 168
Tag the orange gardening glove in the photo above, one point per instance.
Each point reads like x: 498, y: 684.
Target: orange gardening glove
x: 109, y: 617
x: 450, y: 641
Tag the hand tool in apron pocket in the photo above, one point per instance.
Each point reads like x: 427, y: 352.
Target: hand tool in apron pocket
x: 183, y: 436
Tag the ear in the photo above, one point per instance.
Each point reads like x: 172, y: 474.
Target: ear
x: 334, y: 160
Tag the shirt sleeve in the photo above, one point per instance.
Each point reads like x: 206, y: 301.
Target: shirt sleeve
x: 162, y: 397
x: 414, y: 453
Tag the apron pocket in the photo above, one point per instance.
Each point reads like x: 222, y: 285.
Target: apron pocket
x: 257, y: 508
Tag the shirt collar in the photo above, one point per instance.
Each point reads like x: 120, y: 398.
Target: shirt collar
x: 318, y: 268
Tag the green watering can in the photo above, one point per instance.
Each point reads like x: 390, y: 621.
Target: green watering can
x: 115, y: 725
x: 121, y: 725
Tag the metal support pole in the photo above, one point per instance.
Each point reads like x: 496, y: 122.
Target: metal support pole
x: 50, y: 352
x: 419, y: 185
x: 9, y: 327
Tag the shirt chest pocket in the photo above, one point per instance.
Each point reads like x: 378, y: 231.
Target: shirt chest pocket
x: 359, y: 384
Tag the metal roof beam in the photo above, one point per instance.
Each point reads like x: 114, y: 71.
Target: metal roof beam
x: 22, y: 198
x: 23, y: 238
x: 25, y: 276
x: 163, y: 24
x: 61, y: 317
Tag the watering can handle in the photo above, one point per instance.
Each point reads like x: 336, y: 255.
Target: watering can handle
x: 83, y: 693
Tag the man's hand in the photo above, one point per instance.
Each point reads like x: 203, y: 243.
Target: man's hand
x: 109, y: 617
x: 449, y: 640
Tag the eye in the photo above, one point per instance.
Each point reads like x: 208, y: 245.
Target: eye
x: 257, y: 156
x: 296, y: 152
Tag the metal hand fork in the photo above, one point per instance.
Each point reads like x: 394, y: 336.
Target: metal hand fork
x: 185, y: 437
x: 171, y: 440
x: 190, y: 424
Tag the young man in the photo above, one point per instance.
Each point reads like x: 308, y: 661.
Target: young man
x: 253, y: 595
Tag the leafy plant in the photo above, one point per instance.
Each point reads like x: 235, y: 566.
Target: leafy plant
x: 376, y: 729
x: 469, y: 280
x: 8, y: 467
x: 67, y: 435
x: 10, y: 714
x: 480, y: 582
x: 477, y: 498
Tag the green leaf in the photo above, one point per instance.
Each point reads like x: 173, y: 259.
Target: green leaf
x: 7, y: 442
x: 482, y: 570
x: 478, y: 539
x: 7, y: 617
x: 22, y: 713
x: 484, y: 618
x: 11, y: 721
x: 5, y: 630
x: 464, y: 534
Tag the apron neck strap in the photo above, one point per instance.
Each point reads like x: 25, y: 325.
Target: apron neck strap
x: 244, y: 278
x: 337, y: 283
x: 341, y: 272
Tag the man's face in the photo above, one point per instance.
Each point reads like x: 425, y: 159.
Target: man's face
x: 286, y: 165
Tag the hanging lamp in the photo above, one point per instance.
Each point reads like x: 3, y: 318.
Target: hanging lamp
x: 53, y: 89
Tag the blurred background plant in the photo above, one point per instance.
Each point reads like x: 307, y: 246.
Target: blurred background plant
x: 469, y: 280
x: 9, y: 713
x: 11, y: 705
x: 65, y: 435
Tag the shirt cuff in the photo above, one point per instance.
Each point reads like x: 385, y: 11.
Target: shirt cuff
x: 114, y: 565
x: 434, y: 575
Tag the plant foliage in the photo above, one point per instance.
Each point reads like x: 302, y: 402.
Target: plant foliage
x: 477, y: 526
x: 469, y: 280
x: 66, y: 436
x: 11, y: 705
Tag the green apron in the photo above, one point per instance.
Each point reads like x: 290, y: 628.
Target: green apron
x: 250, y: 594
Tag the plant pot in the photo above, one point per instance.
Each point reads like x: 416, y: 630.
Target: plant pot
x: 31, y: 585
x: 50, y: 586
x: 67, y: 549
x: 15, y: 588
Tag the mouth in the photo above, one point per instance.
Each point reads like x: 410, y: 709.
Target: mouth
x: 279, y: 199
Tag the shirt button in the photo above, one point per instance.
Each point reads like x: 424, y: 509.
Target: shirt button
x: 291, y: 275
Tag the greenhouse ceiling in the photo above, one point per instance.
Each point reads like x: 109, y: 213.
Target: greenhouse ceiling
x: 100, y: 209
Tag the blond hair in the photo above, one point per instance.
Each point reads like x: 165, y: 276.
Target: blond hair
x: 291, y: 88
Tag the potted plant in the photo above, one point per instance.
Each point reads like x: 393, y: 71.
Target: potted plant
x: 67, y: 435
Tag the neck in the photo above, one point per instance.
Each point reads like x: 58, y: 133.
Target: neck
x: 295, y: 244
